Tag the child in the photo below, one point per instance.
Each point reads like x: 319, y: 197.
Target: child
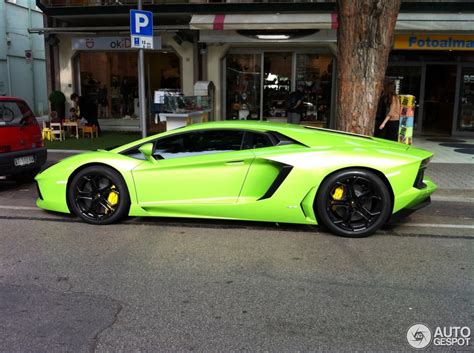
x: 73, y: 115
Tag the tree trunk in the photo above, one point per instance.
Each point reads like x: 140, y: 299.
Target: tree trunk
x: 364, y: 39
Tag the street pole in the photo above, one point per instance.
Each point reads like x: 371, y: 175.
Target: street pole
x: 141, y: 85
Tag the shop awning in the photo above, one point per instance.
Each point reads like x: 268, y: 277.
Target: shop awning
x: 435, y: 22
x: 264, y: 21
x: 405, y: 21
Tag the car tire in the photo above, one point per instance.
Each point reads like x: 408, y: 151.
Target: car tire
x: 98, y: 195
x: 353, y: 203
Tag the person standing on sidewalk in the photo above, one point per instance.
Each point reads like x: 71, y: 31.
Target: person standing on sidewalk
x: 295, y: 105
x: 391, y: 123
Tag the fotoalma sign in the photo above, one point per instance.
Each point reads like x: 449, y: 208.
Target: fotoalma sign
x: 434, y: 42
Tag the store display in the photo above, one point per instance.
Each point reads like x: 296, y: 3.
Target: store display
x: 313, y: 74
x: 243, y: 91
x: 466, y: 122
x: 277, y: 85
x: 109, y: 81
x: 405, y: 131
x: 243, y: 86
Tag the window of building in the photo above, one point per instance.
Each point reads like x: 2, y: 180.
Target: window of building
x: 243, y: 82
x: 314, y: 74
x: 258, y: 85
x: 466, y: 100
x: 109, y: 80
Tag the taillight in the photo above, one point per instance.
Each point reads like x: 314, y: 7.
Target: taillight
x: 5, y: 149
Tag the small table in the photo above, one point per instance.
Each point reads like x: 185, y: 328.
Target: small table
x: 69, y: 124
x: 176, y: 120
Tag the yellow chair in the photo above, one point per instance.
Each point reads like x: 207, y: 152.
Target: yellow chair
x: 46, y: 132
x: 87, y: 129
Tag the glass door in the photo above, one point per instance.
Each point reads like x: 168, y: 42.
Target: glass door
x: 466, y: 100
x: 243, y: 83
x: 438, y: 105
x: 277, y: 67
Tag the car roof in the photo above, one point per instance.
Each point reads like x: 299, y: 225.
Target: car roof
x: 8, y: 98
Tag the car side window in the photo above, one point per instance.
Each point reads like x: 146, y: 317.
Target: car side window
x: 256, y: 140
x: 198, y: 142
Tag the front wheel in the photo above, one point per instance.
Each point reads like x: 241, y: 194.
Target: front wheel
x: 353, y: 203
x: 98, y: 195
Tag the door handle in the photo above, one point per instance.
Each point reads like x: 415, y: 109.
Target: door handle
x: 235, y: 162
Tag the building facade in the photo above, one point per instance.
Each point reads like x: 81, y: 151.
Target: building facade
x: 256, y: 53
x: 22, y: 55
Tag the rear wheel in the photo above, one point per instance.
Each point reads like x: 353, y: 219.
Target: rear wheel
x: 99, y: 195
x: 353, y: 203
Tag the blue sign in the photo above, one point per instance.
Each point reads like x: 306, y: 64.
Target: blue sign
x: 141, y: 23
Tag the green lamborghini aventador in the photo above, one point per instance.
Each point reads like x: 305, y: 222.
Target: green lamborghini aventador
x: 242, y: 170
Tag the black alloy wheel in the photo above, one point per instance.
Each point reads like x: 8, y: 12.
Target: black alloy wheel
x: 353, y: 203
x: 98, y: 195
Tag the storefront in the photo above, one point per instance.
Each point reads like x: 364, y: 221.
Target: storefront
x: 439, y: 71
x: 258, y: 70
x: 106, y: 73
x: 104, y: 70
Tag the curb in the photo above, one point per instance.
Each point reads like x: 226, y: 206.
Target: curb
x: 67, y: 151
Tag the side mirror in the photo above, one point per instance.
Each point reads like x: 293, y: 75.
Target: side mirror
x: 147, y: 150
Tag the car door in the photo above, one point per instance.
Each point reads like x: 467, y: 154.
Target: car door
x: 196, y: 167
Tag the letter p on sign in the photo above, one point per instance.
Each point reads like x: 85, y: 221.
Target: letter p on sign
x: 141, y: 23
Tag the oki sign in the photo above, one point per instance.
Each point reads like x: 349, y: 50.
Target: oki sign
x: 108, y: 43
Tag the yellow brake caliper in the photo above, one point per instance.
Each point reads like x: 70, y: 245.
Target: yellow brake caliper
x: 113, y: 196
x: 337, y: 194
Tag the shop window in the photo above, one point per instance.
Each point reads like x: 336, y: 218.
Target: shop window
x: 314, y: 75
x: 276, y: 85
x: 244, y: 76
x: 466, y: 100
x: 109, y: 80
x: 243, y: 82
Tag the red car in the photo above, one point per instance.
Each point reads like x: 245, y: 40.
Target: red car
x: 22, y: 152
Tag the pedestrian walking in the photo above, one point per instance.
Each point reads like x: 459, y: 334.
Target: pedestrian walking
x: 389, y: 126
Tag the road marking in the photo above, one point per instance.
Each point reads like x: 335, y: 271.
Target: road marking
x: 18, y: 208
x: 452, y: 199
x: 435, y: 225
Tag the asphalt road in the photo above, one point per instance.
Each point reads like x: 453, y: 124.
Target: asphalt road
x: 177, y: 285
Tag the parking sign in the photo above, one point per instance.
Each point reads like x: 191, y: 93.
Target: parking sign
x: 141, y: 29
